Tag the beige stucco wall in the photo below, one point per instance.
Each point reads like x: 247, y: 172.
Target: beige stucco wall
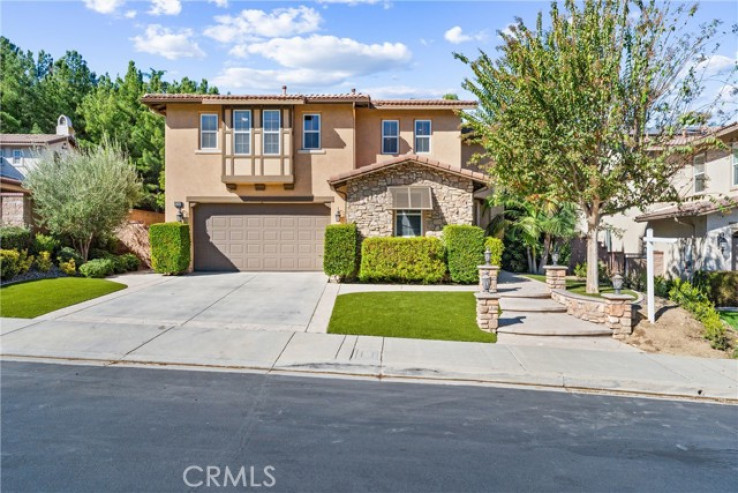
x: 445, y: 129
x: 369, y: 201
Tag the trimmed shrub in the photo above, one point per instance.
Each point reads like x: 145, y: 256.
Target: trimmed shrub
x: 25, y: 262
x: 129, y: 261
x: 96, y: 253
x: 45, y: 243
x: 464, y: 251
x: 341, y: 250
x: 496, y: 247
x: 170, y: 247
x: 692, y: 299
x: 402, y: 260
x: 14, y: 238
x: 99, y: 267
x: 9, y: 260
x: 69, y: 268
x: 721, y: 287
x: 68, y: 253
x: 43, y: 262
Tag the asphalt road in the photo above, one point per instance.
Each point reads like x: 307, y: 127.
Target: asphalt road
x: 75, y: 428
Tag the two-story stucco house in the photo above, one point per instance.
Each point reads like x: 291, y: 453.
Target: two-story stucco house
x: 260, y: 177
x: 705, y: 224
x: 18, y: 155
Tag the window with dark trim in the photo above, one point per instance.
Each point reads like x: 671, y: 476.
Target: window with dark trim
x: 390, y: 137
x: 408, y: 223
x: 311, y: 131
x: 208, y: 131
x: 271, y: 124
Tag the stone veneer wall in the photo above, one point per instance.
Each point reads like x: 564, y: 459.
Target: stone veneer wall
x: 15, y: 209
x: 615, y: 313
x: 369, y: 200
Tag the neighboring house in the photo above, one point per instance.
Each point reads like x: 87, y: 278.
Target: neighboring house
x: 19, y: 154
x: 705, y: 223
x: 260, y: 177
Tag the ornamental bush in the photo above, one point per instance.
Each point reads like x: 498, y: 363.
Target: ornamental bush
x: 170, y: 247
x: 694, y: 300
x: 129, y: 262
x: 68, y: 253
x: 25, y: 262
x: 69, y: 267
x: 43, y: 262
x: 45, y: 243
x: 496, y: 247
x: 402, y: 260
x: 14, y: 238
x: 99, y: 267
x: 341, y: 252
x: 464, y: 251
x: 9, y: 260
x: 721, y: 287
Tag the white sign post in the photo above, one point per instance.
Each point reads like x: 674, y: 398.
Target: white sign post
x: 650, y: 240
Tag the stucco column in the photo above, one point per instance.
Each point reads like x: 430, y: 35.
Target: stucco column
x: 488, y: 311
x: 619, y: 311
x: 492, y: 271
x: 555, y: 276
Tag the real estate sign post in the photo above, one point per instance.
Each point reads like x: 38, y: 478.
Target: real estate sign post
x: 650, y: 240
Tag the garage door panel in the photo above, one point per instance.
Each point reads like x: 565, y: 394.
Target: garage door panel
x: 259, y: 237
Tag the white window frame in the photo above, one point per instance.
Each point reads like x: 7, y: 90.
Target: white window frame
x: 203, y: 132
x: 735, y: 164
x: 265, y: 132
x: 17, y: 156
x: 396, y: 137
x: 246, y: 132
x: 305, y: 132
x: 428, y: 137
x: 701, y: 176
x: 408, y: 212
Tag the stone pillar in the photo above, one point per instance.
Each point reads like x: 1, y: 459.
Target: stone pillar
x: 555, y: 276
x: 619, y: 313
x: 488, y: 311
x: 492, y: 271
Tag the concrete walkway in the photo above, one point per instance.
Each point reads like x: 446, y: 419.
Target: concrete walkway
x: 229, y: 349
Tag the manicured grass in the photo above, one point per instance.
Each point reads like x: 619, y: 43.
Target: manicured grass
x: 731, y: 318
x: 580, y: 287
x: 447, y: 316
x: 34, y: 298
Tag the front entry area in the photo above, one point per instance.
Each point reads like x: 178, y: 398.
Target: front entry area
x: 259, y: 237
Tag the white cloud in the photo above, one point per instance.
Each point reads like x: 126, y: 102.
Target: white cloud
x: 165, y: 7
x: 104, y: 6
x: 162, y: 41
x: 245, y: 78
x: 507, y: 30
x: 715, y: 64
x: 456, y: 35
x: 219, y: 3
x: 253, y: 24
x: 353, y: 3
x: 330, y: 53
x: 130, y: 14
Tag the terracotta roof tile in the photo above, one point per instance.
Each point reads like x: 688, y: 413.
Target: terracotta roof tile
x: 407, y: 158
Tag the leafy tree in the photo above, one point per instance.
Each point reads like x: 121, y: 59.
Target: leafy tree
x: 564, y: 111
x: 84, y: 195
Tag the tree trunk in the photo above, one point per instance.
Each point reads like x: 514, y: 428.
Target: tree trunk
x: 531, y: 261
x: 546, y: 251
x: 593, y: 226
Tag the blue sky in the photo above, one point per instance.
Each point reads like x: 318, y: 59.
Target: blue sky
x: 384, y: 48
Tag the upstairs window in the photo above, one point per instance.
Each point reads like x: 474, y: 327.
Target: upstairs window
x: 311, y: 131
x: 271, y: 126
x: 390, y: 137
x: 242, y: 131
x: 208, y: 131
x: 700, y: 180
x: 422, y: 136
x: 735, y: 165
x: 17, y: 156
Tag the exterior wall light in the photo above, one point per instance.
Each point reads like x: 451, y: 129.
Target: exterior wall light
x: 722, y: 243
x: 487, y: 258
x: 180, y: 215
x: 338, y: 215
x: 486, y: 282
x: 555, y: 258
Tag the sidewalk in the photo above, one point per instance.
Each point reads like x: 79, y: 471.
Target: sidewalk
x: 224, y: 349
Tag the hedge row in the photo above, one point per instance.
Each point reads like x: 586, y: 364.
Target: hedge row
x: 402, y: 260
x: 341, y: 250
x: 170, y: 247
x: 464, y: 252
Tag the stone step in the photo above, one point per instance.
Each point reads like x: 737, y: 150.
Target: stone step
x: 528, y: 305
x: 549, y: 324
x: 514, y: 293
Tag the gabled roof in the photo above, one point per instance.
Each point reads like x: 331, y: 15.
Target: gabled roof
x: 33, y: 139
x: 690, y: 209
x: 9, y: 171
x: 158, y: 102
x: 340, y: 179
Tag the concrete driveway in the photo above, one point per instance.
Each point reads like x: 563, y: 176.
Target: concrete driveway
x: 264, y: 301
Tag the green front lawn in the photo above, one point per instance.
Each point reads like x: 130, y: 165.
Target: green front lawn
x: 580, y: 287
x: 731, y: 318
x: 447, y: 316
x: 34, y: 298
